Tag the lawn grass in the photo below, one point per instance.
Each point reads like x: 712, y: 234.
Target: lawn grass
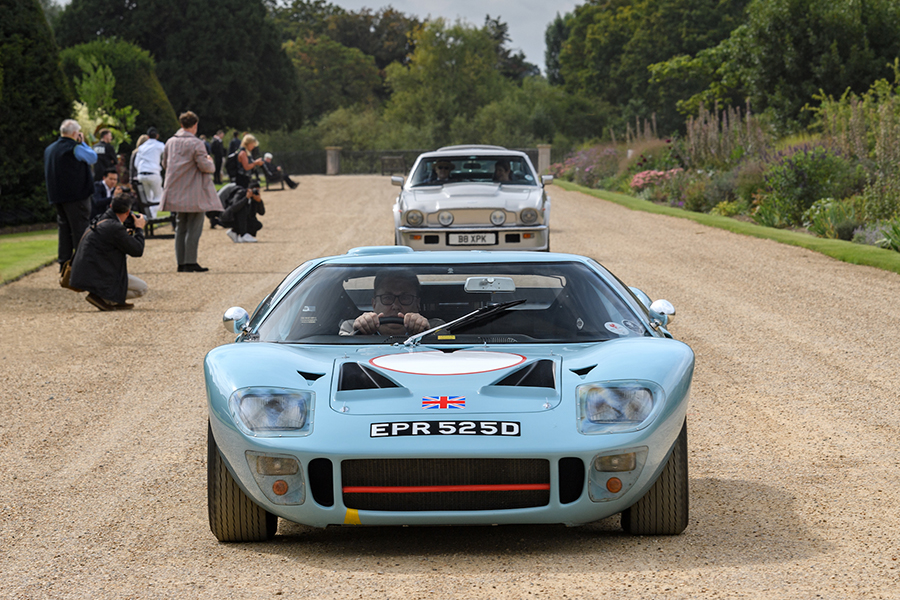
x: 22, y: 253
x: 857, y: 254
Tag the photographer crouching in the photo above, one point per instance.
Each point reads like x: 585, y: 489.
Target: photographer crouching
x: 99, y: 266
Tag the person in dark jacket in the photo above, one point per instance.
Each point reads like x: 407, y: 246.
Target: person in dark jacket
x: 106, y: 154
x: 99, y: 266
x: 70, y: 185
x: 242, y: 207
x: 104, y: 190
x: 218, y: 154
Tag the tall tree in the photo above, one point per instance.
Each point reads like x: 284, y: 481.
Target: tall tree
x: 332, y: 75
x: 34, y: 100
x: 451, y: 75
x: 220, y: 58
x: 788, y: 51
x: 511, y: 65
x: 612, y: 43
x: 136, y: 82
x: 554, y: 37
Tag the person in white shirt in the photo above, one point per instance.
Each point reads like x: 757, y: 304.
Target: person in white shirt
x: 148, y: 164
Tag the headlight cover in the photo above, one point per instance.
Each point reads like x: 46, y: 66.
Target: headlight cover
x: 414, y: 218
x: 529, y: 216
x: 617, y: 406
x: 272, y: 412
x: 498, y: 218
x: 445, y: 218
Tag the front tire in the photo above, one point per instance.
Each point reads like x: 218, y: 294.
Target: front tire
x: 664, y: 508
x: 233, y: 517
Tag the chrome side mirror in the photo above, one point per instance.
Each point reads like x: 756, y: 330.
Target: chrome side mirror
x: 397, y: 180
x: 235, y: 319
x: 665, y: 308
x: 546, y: 179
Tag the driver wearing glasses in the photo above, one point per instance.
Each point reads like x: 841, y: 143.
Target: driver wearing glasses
x: 396, y: 299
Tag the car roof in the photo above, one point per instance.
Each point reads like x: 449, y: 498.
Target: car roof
x: 406, y: 255
x: 472, y: 149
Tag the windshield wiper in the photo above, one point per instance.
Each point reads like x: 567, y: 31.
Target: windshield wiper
x: 481, y: 314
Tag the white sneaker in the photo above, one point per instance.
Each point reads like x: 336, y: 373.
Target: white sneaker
x: 234, y: 237
x: 247, y: 238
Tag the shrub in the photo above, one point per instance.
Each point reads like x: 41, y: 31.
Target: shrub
x: 881, y: 198
x: 798, y: 179
x: 588, y: 166
x: 891, y: 236
x: 830, y: 218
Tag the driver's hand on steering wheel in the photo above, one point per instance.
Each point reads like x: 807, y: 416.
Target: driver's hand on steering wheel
x: 414, y: 323
x: 368, y: 323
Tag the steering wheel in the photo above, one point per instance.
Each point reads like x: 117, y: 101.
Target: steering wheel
x: 390, y: 320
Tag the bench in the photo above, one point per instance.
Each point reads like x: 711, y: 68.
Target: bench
x: 393, y: 164
x: 144, y: 205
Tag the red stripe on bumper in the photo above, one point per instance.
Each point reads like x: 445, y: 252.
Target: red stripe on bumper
x: 415, y: 489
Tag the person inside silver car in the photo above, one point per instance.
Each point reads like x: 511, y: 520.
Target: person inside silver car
x: 501, y: 170
x: 441, y: 171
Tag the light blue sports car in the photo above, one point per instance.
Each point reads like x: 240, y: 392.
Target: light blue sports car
x: 394, y: 387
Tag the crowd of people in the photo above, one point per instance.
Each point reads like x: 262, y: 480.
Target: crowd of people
x: 96, y: 193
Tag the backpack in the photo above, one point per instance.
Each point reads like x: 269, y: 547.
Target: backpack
x: 232, y: 164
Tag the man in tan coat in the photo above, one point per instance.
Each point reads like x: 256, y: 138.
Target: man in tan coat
x: 189, y: 191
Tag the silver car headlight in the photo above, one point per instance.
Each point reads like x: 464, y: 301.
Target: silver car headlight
x: 617, y: 406
x: 445, y: 218
x: 498, y: 218
x: 272, y: 412
x: 414, y: 218
x: 528, y: 216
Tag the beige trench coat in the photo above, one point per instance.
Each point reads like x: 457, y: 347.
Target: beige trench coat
x: 189, y: 186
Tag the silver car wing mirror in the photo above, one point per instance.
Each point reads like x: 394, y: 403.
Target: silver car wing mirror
x: 397, y: 180
x: 235, y: 319
x: 664, y: 308
x: 546, y: 179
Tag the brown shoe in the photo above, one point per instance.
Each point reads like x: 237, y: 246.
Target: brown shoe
x: 123, y: 306
x: 99, y: 302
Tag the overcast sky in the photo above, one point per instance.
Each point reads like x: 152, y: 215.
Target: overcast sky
x: 527, y: 19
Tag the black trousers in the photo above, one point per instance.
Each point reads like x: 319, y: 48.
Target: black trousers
x: 73, y: 218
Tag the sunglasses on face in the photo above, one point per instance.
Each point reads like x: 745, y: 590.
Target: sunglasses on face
x: 443, y: 168
x: 388, y: 299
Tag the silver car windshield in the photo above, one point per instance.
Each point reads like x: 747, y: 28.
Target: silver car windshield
x: 513, y: 170
x: 559, y: 302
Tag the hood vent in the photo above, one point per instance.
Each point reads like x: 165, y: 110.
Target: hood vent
x: 583, y: 371
x: 539, y: 374
x: 310, y: 377
x: 354, y: 376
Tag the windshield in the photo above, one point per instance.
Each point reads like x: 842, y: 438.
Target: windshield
x: 511, y: 169
x: 557, y: 302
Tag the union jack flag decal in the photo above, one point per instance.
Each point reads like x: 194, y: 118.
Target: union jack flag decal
x: 430, y: 402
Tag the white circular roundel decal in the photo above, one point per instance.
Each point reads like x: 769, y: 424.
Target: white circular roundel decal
x: 462, y: 362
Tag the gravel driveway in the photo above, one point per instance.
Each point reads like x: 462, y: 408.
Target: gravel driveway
x: 794, y: 428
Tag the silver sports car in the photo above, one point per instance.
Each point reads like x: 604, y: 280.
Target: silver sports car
x: 473, y: 197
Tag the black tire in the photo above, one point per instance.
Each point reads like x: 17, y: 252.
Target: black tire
x: 233, y: 517
x: 664, y: 508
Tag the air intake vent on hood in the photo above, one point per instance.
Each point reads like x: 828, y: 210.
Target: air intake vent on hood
x: 541, y: 373
x: 354, y: 376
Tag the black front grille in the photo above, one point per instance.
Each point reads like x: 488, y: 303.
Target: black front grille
x: 445, y: 484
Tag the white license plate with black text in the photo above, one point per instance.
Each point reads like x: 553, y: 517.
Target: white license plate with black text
x: 471, y: 239
x: 408, y: 428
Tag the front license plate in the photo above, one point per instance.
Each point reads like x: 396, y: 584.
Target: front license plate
x: 471, y: 239
x: 404, y: 428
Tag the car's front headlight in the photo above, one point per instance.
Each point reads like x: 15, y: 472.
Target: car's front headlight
x: 445, y: 218
x: 414, y: 218
x: 528, y: 216
x: 498, y: 218
x: 617, y: 406
x: 272, y: 412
